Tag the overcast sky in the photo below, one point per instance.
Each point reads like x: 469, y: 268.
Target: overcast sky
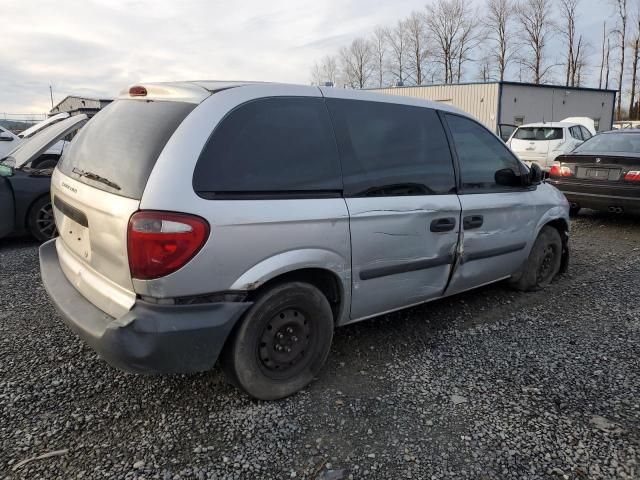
x: 97, y: 47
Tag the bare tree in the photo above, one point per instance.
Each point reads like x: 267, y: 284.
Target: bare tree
x: 580, y: 65
x: 568, y: 12
x: 497, y: 24
x: 635, y: 51
x: 604, y: 43
x: 398, y: 47
x: 379, y: 46
x: 608, y: 69
x: 534, y: 17
x: 325, y: 71
x: 484, y: 73
x: 621, y: 32
x: 469, y: 38
x: 416, y: 33
x: 445, y: 21
x: 357, y: 62
x: 316, y: 74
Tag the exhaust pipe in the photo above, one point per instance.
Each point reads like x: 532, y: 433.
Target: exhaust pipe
x: 616, y: 210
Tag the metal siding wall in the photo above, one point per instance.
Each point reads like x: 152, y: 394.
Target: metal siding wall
x: 543, y: 103
x: 479, y: 100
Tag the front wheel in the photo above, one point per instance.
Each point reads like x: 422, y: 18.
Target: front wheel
x: 282, y: 342
x: 543, y: 263
x: 574, y: 209
x: 40, y: 220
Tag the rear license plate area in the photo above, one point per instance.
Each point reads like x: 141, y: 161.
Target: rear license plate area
x: 73, y: 228
x: 598, y: 173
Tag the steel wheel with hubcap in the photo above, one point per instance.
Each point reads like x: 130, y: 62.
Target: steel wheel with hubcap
x: 281, y: 343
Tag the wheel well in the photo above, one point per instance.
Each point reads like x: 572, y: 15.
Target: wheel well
x: 562, y: 227
x: 324, y: 280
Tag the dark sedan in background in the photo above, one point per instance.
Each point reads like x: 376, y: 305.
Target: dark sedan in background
x: 25, y: 180
x: 603, y: 173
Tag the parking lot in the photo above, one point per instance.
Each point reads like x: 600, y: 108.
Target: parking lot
x: 487, y: 384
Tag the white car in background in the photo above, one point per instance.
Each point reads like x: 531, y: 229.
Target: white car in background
x: 9, y: 141
x: 542, y: 142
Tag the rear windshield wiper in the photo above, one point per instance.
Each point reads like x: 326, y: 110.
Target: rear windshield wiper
x: 95, y: 177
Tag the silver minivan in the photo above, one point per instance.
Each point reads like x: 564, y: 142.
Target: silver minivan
x: 245, y: 221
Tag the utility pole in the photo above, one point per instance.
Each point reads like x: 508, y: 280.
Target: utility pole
x: 51, y: 95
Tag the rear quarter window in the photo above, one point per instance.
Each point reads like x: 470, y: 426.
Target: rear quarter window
x: 271, y: 146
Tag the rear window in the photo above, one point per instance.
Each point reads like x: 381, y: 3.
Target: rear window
x: 538, y: 133
x: 118, y: 148
x: 611, y: 143
x: 272, y: 146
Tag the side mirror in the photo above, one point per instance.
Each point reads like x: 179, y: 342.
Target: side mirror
x: 508, y: 178
x: 5, y: 137
x: 535, y: 174
x: 6, y: 171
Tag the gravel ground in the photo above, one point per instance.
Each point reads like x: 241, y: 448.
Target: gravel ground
x: 488, y: 384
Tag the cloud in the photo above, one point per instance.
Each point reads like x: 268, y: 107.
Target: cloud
x: 96, y: 47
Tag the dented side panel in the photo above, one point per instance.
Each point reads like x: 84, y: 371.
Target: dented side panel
x: 396, y: 259
x: 498, y: 247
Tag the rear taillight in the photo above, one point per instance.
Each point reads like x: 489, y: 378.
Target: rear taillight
x: 560, y: 171
x: 160, y: 243
x: 632, y: 176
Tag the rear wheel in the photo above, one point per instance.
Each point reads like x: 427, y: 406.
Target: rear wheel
x: 543, y: 263
x: 40, y: 221
x: 282, y: 342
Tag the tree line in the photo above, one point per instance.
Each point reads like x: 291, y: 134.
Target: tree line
x: 450, y: 41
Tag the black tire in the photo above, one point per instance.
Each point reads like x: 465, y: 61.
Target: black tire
x: 543, y: 263
x: 574, y: 209
x: 40, y: 221
x: 281, y: 343
x: 46, y: 163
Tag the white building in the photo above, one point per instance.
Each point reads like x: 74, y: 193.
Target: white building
x: 76, y: 105
x: 512, y: 103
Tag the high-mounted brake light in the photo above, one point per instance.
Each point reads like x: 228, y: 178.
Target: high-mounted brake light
x: 632, y: 176
x: 560, y: 171
x: 138, y: 91
x: 159, y: 243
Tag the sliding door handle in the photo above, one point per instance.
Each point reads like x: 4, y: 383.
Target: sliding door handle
x: 472, y: 221
x: 443, y: 224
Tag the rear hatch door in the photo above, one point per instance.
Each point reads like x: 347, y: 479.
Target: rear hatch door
x: 96, y: 188
x: 38, y: 127
x: 534, y: 143
x: 35, y: 146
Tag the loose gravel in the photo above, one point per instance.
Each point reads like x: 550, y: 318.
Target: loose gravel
x: 488, y: 384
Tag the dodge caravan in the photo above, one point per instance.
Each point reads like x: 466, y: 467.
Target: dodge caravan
x: 244, y: 221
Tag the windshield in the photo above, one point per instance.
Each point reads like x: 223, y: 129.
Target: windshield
x: 119, y: 147
x: 611, y: 143
x: 538, y: 133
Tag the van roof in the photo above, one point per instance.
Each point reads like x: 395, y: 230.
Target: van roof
x: 195, y: 91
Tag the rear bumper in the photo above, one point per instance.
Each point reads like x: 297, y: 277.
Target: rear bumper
x: 149, y: 338
x: 602, y: 198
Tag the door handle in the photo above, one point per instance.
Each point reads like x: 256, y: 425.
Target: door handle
x: 472, y: 221
x: 443, y: 224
